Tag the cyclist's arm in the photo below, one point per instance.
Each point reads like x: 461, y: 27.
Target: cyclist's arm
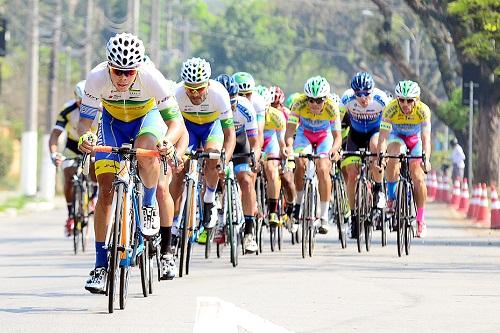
x: 175, y: 130
x: 229, y: 141
x: 426, y: 134
x: 337, y: 140
x: 53, y: 140
x: 182, y: 143
x: 291, y: 127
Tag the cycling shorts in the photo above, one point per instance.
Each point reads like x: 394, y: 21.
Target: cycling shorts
x: 412, y: 142
x: 306, y: 141
x: 356, y: 140
x: 271, y: 146
x: 114, y: 132
x: 241, y: 164
x: 200, y: 135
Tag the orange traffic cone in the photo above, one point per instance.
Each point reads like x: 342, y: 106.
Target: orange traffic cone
x: 455, y: 197
x: 431, y: 189
x: 471, y: 213
x: 439, y: 195
x: 482, y: 212
x: 495, y: 209
x: 463, y: 206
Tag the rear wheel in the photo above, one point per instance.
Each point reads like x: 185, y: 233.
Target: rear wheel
x: 399, y: 218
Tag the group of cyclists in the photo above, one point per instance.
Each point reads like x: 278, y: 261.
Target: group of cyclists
x: 130, y: 100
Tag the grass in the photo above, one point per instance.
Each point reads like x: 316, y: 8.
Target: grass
x: 15, y: 202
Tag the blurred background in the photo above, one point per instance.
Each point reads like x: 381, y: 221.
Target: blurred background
x: 47, y: 46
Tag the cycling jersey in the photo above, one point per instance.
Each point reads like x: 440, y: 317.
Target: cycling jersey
x: 327, y: 119
x: 364, y: 119
x: 67, y: 121
x: 148, y: 91
x: 259, y: 105
x: 245, y: 119
x: 274, y: 131
x: 216, y: 106
x: 417, y: 121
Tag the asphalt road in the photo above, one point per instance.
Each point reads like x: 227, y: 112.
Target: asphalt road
x: 449, y: 283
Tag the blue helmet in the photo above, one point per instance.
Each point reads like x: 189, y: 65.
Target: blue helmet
x: 362, y: 81
x: 229, y: 83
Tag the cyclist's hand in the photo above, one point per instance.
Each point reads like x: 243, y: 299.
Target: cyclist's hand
x: 287, y: 151
x: 256, y: 167
x: 87, y: 142
x: 426, y: 166
x: 221, y: 171
x: 56, y: 158
x: 167, y: 149
x: 334, y: 155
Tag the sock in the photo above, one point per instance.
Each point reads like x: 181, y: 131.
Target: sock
x: 249, y: 223
x: 300, y: 195
x: 149, y: 199
x: 272, y: 205
x: 420, y: 214
x: 166, y: 239
x: 101, y: 255
x: 209, y: 194
x: 71, y: 213
x: 289, y: 208
x: 391, y: 190
x: 323, y: 208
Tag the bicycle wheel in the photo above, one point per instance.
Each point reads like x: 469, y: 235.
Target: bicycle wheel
x: 400, y: 217
x: 304, y: 219
x: 360, y: 213
x: 272, y: 236
x: 124, y: 280
x: 258, y: 231
x: 280, y: 236
x: 408, y: 220
x: 186, y: 224
x: 385, y: 226
x: 208, y: 244
x: 143, y: 266
x: 232, y: 222
x: 77, y: 216
x: 188, y: 253
x: 86, y: 215
x: 312, y: 206
x: 114, y: 259
x: 150, y: 265
x: 338, y: 211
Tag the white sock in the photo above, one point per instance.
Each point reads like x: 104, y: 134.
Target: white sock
x: 300, y: 195
x: 209, y: 195
x: 323, y: 208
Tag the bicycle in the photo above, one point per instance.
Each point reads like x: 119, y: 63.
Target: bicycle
x: 191, y: 199
x: 339, y: 204
x: 261, y: 222
x: 364, y: 199
x: 404, y: 216
x: 81, y: 199
x: 124, y: 241
x: 309, y: 205
x: 276, y: 231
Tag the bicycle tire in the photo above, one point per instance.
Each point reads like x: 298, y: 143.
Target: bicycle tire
x: 258, y: 231
x: 408, y: 224
x: 113, y: 256
x: 187, y: 217
x: 188, y: 253
x: 385, y: 227
x: 273, y: 236
x: 150, y: 266
x: 360, y: 189
x: 313, y: 200
x: 231, y: 211
x: 144, y: 271
x: 304, y: 220
x: 77, y: 216
x: 399, y: 216
x: 124, y: 282
x: 208, y: 244
x: 86, y: 215
x: 339, y: 213
x: 280, y: 236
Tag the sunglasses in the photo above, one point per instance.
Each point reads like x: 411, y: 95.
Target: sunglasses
x: 406, y: 100
x: 120, y: 72
x: 245, y: 94
x: 198, y: 90
x: 362, y: 93
x: 318, y: 100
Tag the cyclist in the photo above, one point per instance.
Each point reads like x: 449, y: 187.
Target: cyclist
x: 286, y: 176
x: 362, y: 106
x: 207, y: 113
x: 163, y: 196
x: 406, y: 123
x: 245, y: 124
x: 131, y: 97
x: 67, y: 121
x: 274, y: 144
x: 316, y: 119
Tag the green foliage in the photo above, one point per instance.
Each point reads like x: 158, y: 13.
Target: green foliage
x: 453, y: 113
x: 6, y: 155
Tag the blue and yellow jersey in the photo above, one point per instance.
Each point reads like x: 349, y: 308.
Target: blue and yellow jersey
x: 417, y: 121
x: 327, y: 119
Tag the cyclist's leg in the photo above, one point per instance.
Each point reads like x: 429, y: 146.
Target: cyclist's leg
x: 271, y: 149
x: 414, y: 143
x: 395, y: 146
x: 351, y: 165
x: 288, y: 187
x: 212, y: 142
x: 302, y: 145
x: 69, y: 171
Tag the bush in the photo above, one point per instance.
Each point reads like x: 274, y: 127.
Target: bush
x: 6, y: 155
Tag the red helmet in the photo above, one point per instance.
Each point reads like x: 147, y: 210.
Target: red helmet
x: 277, y: 95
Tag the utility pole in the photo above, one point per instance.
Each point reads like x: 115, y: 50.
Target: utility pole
x: 155, y: 32
x: 88, y: 39
x: 471, y: 85
x: 48, y: 173
x: 29, y: 140
x: 134, y: 16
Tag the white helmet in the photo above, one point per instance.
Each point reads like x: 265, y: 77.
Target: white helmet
x: 407, y: 89
x: 335, y: 98
x: 80, y: 89
x: 316, y: 87
x: 125, y: 51
x: 196, y: 70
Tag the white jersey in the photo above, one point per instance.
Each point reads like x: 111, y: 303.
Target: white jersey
x: 259, y: 105
x: 148, y: 91
x: 215, y: 106
x: 364, y: 119
x: 245, y: 118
